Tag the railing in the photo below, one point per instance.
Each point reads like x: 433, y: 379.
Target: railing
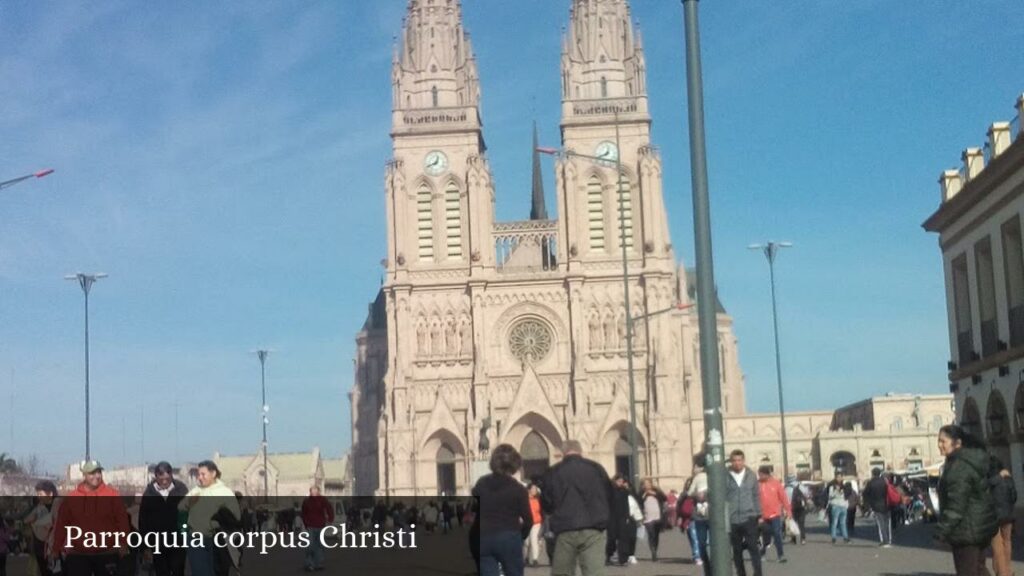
x: 1017, y: 326
x: 429, y: 116
x: 526, y: 246
x: 603, y: 106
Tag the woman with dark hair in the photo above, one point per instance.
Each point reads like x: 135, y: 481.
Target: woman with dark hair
x: 652, y: 501
x: 41, y: 518
x: 211, y: 506
x: 505, y: 518
x: 967, y: 514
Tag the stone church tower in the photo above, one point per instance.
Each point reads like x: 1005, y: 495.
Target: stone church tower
x: 491, y: 332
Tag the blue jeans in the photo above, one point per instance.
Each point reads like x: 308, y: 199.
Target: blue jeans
x: 504, y: 549
x: 775, y: 526
x: 315, y: 551
x: 691, y: 532
x: 701, y: 529
x: 839, y: 521
x: 202, y: 559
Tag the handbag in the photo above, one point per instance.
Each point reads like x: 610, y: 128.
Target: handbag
x: 792, y: 527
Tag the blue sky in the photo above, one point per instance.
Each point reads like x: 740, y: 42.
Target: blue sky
x: 223, y: 162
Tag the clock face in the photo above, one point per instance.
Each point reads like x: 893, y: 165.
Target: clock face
x: 607, y: 151
x: 435, y: 163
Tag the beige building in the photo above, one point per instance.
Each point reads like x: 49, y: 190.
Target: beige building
x: 515, y: 331
x: 979, y: 227
x: 893, y: 432
x: 289, y: 474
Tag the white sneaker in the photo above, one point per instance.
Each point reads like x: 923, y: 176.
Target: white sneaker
x: 632, y: 559
x: 698, y: 562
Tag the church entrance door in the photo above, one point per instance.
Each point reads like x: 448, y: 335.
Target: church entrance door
x: 445, y: 471
x: 536, y: 456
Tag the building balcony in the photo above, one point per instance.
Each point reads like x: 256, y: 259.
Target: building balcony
x: 526, y: 246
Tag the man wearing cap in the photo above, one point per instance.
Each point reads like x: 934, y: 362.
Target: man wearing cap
x: 93, y: 507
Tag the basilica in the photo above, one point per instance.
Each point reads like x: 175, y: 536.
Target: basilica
x: 488, y: 332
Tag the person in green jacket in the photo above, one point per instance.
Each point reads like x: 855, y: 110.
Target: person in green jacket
x: 967, y: 512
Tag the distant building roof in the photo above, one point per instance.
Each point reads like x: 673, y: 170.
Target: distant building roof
x: 288, y: 465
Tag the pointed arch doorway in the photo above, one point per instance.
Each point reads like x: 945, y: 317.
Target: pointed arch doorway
x: 536, y: 456
x: 445, y: 470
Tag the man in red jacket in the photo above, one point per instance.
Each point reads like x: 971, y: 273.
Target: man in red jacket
x: 89, y: 510
x: 774, y: 508
x: 317, y: 513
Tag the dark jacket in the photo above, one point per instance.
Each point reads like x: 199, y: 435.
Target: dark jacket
x: 1004, y: 493
x: 743, y: 501
x: 504, y: 505
x: 967, y: 513
x: 159, y: 514
x: 575, y: 495
x: 619, y: 521
x: 876, y: 494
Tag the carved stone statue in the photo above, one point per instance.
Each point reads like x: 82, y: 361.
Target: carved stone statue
x: 484, y: 444
x: 436, y: 341
x: 596, y: 337
x: 916, y: 412
x: 609, y: 332
x: 421, y: 340
x: 467, y: 339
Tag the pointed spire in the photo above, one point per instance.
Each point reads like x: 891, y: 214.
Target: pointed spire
x: 538, y: 210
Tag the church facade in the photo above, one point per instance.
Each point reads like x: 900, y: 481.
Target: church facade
x: 488, y: 332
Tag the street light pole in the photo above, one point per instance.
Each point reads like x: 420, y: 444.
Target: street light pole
x: 86, y: 281
x: 707, y: 309
x: 262, y: 355
x: 771, y: 250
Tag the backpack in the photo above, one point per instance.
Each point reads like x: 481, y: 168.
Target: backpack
x: 892, y: 496
x: 798, y: 500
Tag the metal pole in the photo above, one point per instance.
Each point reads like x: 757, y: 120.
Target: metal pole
x: 770, y: 251
x: 262, y: 354
x: 634, y: 470
x: 86, y: 284
x: 707, y: 313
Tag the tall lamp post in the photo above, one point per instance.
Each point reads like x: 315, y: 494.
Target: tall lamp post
x: 13, y: 181
x: 634, y: 470
x: 262, y: 355
x: 86, y: 281
x: 771, y: 250
x: 707, y: 311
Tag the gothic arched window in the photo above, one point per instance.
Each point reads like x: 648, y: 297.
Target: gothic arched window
x: 424, y: 224
x: 433, y: 95
x: 604, y: 87
x: 453, y: 221
x: 595, y: 213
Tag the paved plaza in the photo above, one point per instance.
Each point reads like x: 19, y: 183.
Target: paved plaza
x: 914, y: 554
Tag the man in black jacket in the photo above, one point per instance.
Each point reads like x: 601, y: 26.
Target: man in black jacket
x: 876, y: 496
x: 575, y: 496
x: 159, y: 513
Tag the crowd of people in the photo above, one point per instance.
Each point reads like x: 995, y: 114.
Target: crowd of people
x: 588, y: 520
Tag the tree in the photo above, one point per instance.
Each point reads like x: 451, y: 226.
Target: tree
x: 8, y: 465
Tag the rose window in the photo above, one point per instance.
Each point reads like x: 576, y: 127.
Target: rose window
x: 530, y: 339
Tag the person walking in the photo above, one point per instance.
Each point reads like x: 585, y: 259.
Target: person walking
x: 652, y: 501
x: 317, y: 513
x: 93, y: 506
x: 774, y: 509
x: 505, y: 519
x: 622, y: 524
x: 40, y: 520
x: 743, y: 499
x: 876, y: 497
x: 838, y: 508
x: 575, y: 496
x: 967, y: 519
x: 533, y: 540
x: 699, y: 528
x: 5, y: 537
x: 799, y: 502
x: 1004, y: 493
x: 211, y: 506
x: 158, y: 513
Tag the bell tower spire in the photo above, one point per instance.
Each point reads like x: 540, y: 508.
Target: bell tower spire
x: 434, y: 67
